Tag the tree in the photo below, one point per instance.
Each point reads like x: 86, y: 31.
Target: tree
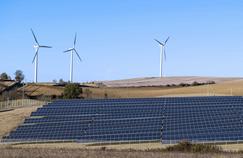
x: 72, y: 91
x: 4, y: 76
x: 61, y: 81
x: 19, y: 76
x: 54, y: 81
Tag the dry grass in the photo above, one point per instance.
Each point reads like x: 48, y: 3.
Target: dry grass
x: 98, y: 153
x: 138, y: 146
x: 36, y: 90
x: 11, y: 119
x: 65, y: 150
x: 224, y: 88
x: 232, y: 147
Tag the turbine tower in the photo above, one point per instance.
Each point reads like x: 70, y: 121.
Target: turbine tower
x: 37, y: 46
x: 162, y: 54
x: 72, y: 50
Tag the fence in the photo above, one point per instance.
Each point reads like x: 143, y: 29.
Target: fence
x: 9, y: 104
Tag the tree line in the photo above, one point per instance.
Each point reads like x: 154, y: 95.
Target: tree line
x: 18, y: 76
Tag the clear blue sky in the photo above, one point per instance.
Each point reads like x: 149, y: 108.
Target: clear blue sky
x: 115, y: 37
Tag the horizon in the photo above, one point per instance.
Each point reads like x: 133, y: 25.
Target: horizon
x: 116, y: 39
x: 125, y: 79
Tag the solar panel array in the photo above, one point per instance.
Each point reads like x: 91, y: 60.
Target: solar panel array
x: 213, y: 119
x: 168, y: 120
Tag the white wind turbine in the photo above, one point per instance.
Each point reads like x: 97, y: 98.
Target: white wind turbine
x: 37, y: 46
x: 72, y: 50
x: 162, y: 54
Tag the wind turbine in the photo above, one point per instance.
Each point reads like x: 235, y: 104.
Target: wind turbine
x: 72, y: 50
x: 37, y: 46
x: 162, y: 54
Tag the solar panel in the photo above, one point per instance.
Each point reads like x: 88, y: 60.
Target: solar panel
x: 167, y: 120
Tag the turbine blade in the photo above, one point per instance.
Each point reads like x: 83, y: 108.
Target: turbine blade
x: 45, y: 46
x: 68, y: 50
x: 77, y: 54
x: 159, y: 42
x: 35, y: 55
x: 167, y: 40
x: 75, y: 39
x: 34, y: 36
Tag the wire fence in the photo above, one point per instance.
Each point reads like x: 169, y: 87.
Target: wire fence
x: 9, y: 104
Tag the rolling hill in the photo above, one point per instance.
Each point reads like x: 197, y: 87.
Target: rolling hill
x: 147, y: 87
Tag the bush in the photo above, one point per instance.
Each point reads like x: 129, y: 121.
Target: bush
x: 61, y: 81
x: 195, y: 83
x: 210, y: 82
x: 186, y: 146
x: 72, y: 91
x: 184, y: 85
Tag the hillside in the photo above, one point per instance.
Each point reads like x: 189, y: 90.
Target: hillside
x: 6, y: 85
x: 147, y: 88
x: 41, y: 89
x: 234, y: 87
x: 156, y: 81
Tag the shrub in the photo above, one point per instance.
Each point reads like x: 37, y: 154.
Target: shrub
x: 195, y: 83
x: 72, y: 91
x: 185, y: 146
x: 184, y: 85
x: 210, y: 82
x: 103, y: 148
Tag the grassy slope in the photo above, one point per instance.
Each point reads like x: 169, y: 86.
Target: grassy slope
x: 36, y: 90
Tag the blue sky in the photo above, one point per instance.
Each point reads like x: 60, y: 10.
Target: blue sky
x: 115, y: 38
